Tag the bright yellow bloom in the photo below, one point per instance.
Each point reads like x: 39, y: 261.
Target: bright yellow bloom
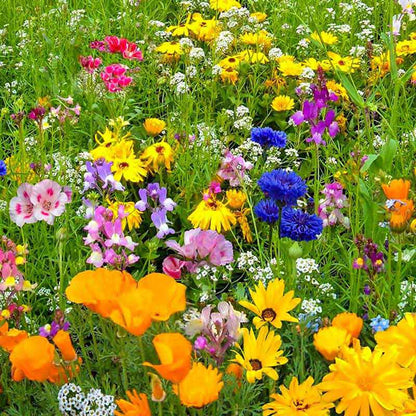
x: 312, y: 63
x: 230, y: 62
x: 338, y: 89
x: 271, y: 305
x: 200, y: 387
x: 171, y: 51
x: 229, y: 75
x: 259, y: 355
x: 224, y: 5
x: 403, y: 338
x: 182, y: 29
x: 133, y: 220
x: 324, y: 37
x: 158, y: 155
x: 261, y: 17
x: 235, y: 199
x: 350, y: 322
x: 154, y: 126
x: 253, y: 57
x: 345, y: 64
x: 261, y: 38
x: 303, y: 399
x: 283, y: 103
x: 244, y: 225
x: 406, y: 47
x: 204, y: 30
x: 290, y: 68
x: 125, y: 164
x: 330, y: 340
x: 367, y: 381
x: 211, y: 214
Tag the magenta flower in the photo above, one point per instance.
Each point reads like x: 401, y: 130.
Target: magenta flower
x: 233, y: 168
x: 89, y: 63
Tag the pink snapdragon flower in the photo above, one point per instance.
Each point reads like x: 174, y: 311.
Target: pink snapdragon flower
x: 233, y: 168
x: 114, y: 77
x: 128, y: 50
x: 201, y: 247
x: 331, y: 205
x: 89, y: 63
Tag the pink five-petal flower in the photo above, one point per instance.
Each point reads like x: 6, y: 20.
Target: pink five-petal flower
x: 21, y: 206
x: 173, y: 267
x: 48, y: 200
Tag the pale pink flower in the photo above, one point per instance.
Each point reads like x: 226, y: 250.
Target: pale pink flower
x: 21, y: 207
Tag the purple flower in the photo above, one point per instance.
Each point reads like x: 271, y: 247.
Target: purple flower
x: 161, y: 223
x: 99, y: 176
x: 154, y: 197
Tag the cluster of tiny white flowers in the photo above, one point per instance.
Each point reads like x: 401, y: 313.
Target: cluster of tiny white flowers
x: 186, y: 43
x: 247, y: 259
x: 302, y: 30
x: 357, y: 51
x: 235, y: 17
x: 3, y: 205
x: 191, y: 71
x: 306, y: 266
x: 206, y: 272
x: 367, y: 32
x: 332, y: 160
x: 408, y: 295
x: 311, y: 306
x: 196, y: 55
x: 275, y: 53
x: 224, y: 41
x: 339, y: 29
x: 156, y: 23
x: 162, y: 34
x: 378, y: 141
x: 303, y: 44
x: 307, y: 73
x: 178, y: 81
x: 74, y: 402
x: 30, y: 143
x: 63, y: 170
x: 250, y: 149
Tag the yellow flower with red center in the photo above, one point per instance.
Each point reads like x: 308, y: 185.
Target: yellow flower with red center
x: 224, y: 5
x: 259, y: 355
x: 125, y: 164
x: 182, y: 29
x: 212, y: 214
x: 171, y: 51
x: 200, y: 387
x: 406, y: 47
x: 271, y: 305
x: 134, y: 218
x: 230, y: 62
x: 157, y: 155
x: 154, y: 126
x: 345, y: 64
x: 229, y: 75
x: 204, y: 30
x: 282, y: 103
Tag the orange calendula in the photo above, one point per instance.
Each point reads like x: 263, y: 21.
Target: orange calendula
x: 136, y: 405
x: 350, y: 322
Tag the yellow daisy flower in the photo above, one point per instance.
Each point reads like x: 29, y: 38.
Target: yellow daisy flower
x: 283, y: 103
x: 158, y: 155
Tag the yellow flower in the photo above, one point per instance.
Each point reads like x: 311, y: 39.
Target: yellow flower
x: 283, y: 103
x: 235, y: 199
x: 154, y: 126
x: 200, y: 387
x: 182, y: 29
x: 403, y: 338
x: 133, y: 220
x: 324, y: 37
x: 253, y: 57
x: 157, y: 155
x: 261, y: 38
x: 211, y: 214
x: 271, y: 305
x: 224, y: 5
x: 345, y: 64
x: 290, y: 68
x: 303, y: 399
x: 338, y: 89
x: 329, y: 341
x: 261, y: 17
x: 244, y: 225
x: 230, y: 62
x: 406, y: 47
x: 350, y: 322
x: 367, y: 381
x: 125, y: 164
x: 171, y: 51
x: 312, y: 63
x: 229, y: 75
x: 204, y: 30
x: 260, y: 354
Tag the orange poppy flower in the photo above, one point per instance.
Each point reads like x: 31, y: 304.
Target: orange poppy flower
x: 158, y: 394
x: 33, y: 359
x: 137, y: 406
x: 9, y: 338
x: 132, y: 312
x: 200, y: 387
x: 63, y: 341
x: 99, y: 289
x: 174, y: 352
x: 168, y: 295
x: 401, y: 213
x: 350, y: 322
x: 397, y: 189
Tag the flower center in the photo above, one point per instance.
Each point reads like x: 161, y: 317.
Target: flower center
x: 300, y: 405
x: 256, y: 364
x: 365, y: 383
x: 268, y: 314
x: 46, y: 205
x: 123, y: 165
x: 159, y: 149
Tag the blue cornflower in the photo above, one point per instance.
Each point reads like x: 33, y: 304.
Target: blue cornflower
x: 268, y: 137
x: 379, y: 324
x: 284, y: 187
x: 267, y: 211
x: 3, y: 168
x: 299, y: 225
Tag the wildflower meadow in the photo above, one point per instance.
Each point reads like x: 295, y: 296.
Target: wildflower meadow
x: 207, y: 207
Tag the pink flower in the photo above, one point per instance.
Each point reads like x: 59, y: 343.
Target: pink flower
x: 233, y: 168
x: 89, y: 63
x: 173, y: 267
x: 21, y: 207
x: 48, y: 200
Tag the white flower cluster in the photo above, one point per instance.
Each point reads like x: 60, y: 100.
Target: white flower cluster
x: 64, y: 171
x: 3, y: 205
x: 74, y: 402
x: 224, y: 42
x: 235, y: 17
x: 311, y: 306
x: 306, y: 266
x: 207, y: 139
x: 249, y: 263
x: 251, y: 150
x: 275, y: 53
x: 196, y: 55
x: 178, y: 81
x: 408, y: 295
x: 339, y: 29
